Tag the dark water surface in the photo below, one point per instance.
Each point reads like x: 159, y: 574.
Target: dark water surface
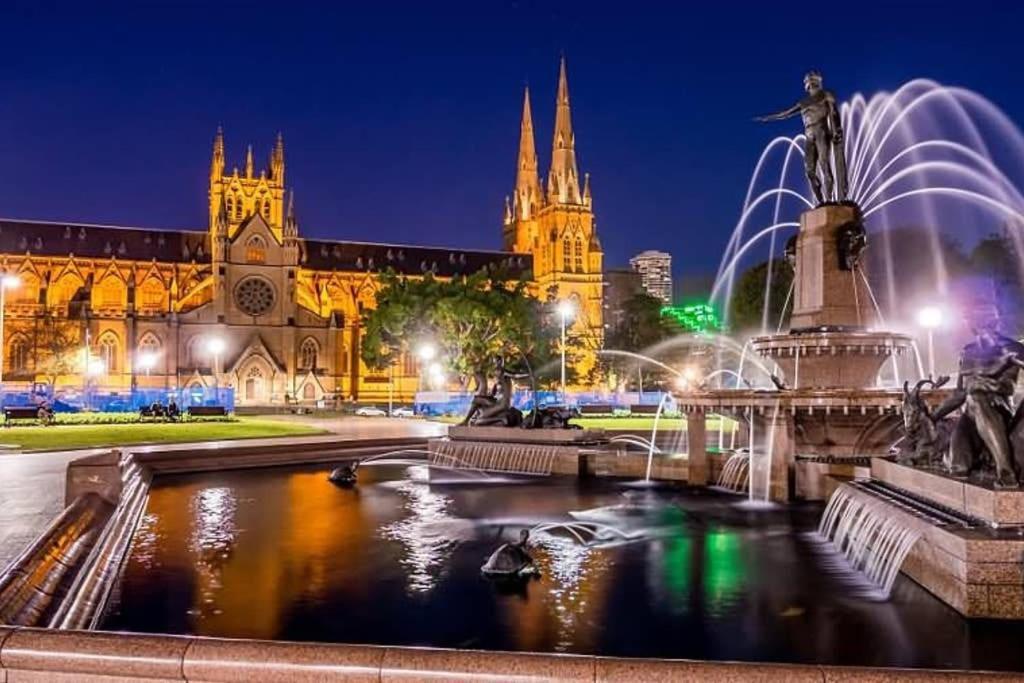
x: 283, y: 554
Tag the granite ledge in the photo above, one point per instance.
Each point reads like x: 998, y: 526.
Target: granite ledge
x: 31, y: 654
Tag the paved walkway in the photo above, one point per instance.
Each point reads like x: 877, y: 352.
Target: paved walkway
x: 32, y: 484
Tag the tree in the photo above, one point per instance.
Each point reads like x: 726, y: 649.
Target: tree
x: 996, y: 258
x: 746, y: 308
x: 640, y: 326
x: 57, y: 348
x: 478, y: 323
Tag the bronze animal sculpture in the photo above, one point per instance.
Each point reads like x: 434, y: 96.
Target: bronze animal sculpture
x: 925, y: 440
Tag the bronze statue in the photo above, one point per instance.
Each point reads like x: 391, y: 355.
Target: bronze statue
x: 494, y: 408
x: 988, y: 423
x: 824, y: 131
x: 925, y: 440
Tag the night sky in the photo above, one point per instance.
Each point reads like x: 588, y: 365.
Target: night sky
x: 401, y: 120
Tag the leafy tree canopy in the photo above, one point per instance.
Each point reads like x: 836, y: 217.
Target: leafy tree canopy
x: 471, y: 320
x: 746, y: 308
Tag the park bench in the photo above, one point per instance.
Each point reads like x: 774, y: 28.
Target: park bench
x: 158, y: 412
x: 643, y: 409
x: 26, y: 413
x: 207, y: 411
x: 597, y: 409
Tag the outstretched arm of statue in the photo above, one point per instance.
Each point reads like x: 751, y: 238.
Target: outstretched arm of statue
x: 956, y: 399
x: 780, y: 115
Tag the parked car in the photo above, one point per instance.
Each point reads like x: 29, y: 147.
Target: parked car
x: 370, y: 411
x: 403, y: 411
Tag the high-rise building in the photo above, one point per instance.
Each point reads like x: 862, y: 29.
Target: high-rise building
x: 620, y: 285
x: 655, y: 268
x: 556, y: 226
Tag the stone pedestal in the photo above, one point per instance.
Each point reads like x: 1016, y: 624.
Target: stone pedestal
x: 514, y: 450
x: 978, y: 570
x: 826, y: 295
x: 697, y: 449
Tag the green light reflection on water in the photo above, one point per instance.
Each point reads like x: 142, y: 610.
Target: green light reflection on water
x: 724, y: 569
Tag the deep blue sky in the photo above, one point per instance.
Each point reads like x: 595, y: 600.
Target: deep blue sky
x: 401, y: 120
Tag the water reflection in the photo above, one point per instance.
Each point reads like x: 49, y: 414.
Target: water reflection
x: 212, y: 541
x: 422, y: 533
x: 724, y: 571
x: 572, y: 572
x: 283, y: 554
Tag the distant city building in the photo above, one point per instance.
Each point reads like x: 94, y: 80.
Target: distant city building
x: 620, y: 285
x: 695, y: 317
x: 655, y: 268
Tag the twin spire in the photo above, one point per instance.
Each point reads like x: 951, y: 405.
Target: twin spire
x: 563, y: 186
x: 275, y: 171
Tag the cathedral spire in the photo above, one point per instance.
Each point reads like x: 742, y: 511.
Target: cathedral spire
x: 527, y: 193
x: 563, y: 179
x: 217, y: 162
x: 248, y: 162
x: 277, y: 161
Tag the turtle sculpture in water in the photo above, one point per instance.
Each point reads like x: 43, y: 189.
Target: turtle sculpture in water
x: 511, y: 561
x: 344, y: 475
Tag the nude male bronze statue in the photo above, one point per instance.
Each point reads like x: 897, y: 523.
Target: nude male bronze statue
x: 989, y: 367
x: 824, y: 131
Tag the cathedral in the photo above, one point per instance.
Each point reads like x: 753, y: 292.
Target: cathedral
x: 249, y: 303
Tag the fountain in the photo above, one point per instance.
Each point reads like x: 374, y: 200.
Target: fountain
x: 940, y: 510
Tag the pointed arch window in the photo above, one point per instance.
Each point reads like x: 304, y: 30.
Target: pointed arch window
x: 151, y: 294
x: 109, y: 352
x: 149, y: 343
x: 229, y: 206
x: 309, y: 392
x: 110, y: 293
x: 266, y: 210
x: 567, y: 254
x: 18, y: 354
x: 238, y: 207
x: 27, y: 291
x: 255, y: 250
x: 308, y: 354
x: 578, y: 256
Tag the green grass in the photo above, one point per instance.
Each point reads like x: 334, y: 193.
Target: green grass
x: 65, y: 437
x: 640, y: 422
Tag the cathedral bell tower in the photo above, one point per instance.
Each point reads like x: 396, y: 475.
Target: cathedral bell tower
x: 557, y: 226
x: 236, y: 196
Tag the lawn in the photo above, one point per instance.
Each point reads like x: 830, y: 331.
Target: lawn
x: 639, y: 422
x: 61, y: 437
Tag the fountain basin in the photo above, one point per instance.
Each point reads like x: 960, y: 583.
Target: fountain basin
x: 831, y: 359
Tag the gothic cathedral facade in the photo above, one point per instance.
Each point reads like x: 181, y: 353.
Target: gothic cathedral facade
x: 250, y: 304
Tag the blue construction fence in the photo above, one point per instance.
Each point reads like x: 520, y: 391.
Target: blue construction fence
x: 70, y: 400
x: 438, y: 403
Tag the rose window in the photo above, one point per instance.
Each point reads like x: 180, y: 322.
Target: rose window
x: 254, y: 296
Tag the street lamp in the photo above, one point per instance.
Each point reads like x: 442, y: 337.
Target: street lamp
x: 436, y: 374
x: 215, y: 345
x: 930, y: 317
x: 5, y: 282
x: 427, y: 352
x: 565, y: 311
x: 147, y: 359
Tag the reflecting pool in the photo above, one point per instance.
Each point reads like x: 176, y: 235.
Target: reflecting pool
x: 283, y: 554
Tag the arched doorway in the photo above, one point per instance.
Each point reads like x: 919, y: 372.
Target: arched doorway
x: 255, y: 386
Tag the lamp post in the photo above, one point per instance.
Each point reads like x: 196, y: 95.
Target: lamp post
x: 565, y: 311
x: 5, y: 282
x: 929, y: 318
x: 426, y: 353
x: 215, y: 345
x: 147, y: 359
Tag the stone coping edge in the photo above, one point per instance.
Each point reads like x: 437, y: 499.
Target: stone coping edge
x: 101, y: 656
